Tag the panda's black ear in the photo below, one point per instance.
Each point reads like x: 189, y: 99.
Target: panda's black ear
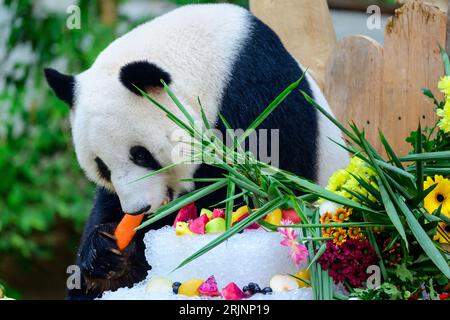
x: 144, y: 75
x: 63, y: 85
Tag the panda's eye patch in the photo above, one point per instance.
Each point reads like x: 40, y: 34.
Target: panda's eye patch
x: 103, y: 169
x: 143, y: 158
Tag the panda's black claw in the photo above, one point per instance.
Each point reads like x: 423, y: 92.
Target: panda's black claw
x: 115, y: 251
x: 108, y: 235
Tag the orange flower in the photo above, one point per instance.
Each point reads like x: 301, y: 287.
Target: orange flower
x: 340, y: 236
x: 355, y: 233
x: 341, y: 215
x: 328, y: 231
x: 326, y: 218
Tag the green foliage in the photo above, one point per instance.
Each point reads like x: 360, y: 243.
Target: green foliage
x: 41, y: 181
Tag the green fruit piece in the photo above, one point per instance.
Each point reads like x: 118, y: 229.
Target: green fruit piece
x: 190, y: 287
x: 159, y: 285
x: 207, y: 212
x: 216, y: 225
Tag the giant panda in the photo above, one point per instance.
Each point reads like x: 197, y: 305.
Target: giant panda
x: 219, y: 52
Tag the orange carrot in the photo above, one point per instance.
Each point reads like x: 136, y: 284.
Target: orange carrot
x: 125, y: 229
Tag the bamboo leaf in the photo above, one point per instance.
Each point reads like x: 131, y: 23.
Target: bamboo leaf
x: 392, y: 213
x: 230, y: 203
x: 424, y: 240
x: 427, y: 156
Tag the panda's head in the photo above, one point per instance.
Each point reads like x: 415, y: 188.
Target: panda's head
x: 119, y: 136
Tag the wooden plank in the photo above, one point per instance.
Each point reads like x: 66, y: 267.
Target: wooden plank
x: 362, y: 5
x: 411, y: 61
x: 353, y: 80
x: 304, y: 26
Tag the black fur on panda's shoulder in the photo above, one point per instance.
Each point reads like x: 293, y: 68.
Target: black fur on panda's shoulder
x: 263, y: 69
x: 142, y: 74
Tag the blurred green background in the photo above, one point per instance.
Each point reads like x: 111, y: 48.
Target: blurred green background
x: 44, y: 197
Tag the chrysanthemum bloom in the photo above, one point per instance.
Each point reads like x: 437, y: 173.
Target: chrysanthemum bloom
x: 444, y: 85
x: 341, y: 215
x: 444, y: 115
x: 328, y: 231
x: 439, y: 196
x: 339, y: 236
x: 355, y: 233
x: 442, y: 233
x: 326, y: 218
x: 348, y: 263
x: 298, y: 252
x: 343, y: 180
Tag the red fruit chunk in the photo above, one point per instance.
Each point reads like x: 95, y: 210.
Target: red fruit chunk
x: 218, y: 213
x: 199, y: 224
x: 290, y: 214
x: 245, y: 215
x: 232, y: 292
x: 209, y: 288
x: 186, y: 214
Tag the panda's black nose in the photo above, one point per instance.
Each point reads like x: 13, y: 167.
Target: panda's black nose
x: 142, y: 210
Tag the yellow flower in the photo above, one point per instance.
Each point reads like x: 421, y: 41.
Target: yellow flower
x: 341, y: 215
x: 339, y: 236
x: 328, y: 231
x: 355, y: 233
x: 442, y: 233
x: 439, y: 196
x: 444, y: 114
x: 326, y: 218
x: 444, y: 85
x: 343, y: 180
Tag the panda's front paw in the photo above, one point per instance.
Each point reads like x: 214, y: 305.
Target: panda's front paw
x: 101, y: 258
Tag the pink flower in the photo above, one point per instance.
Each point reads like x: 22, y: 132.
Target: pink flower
x: 298, y: 253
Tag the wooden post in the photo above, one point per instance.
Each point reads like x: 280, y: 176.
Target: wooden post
x: 304, y: 26
x: 108, y: 11
x: 412, y: 61
x: 386, y: 93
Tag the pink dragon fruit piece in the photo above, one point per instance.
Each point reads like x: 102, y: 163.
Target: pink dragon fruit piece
x: 232, y: 292
x: 198, y: 225
x: 209, y: 288
x: 186, y: 214
x: 218, y: 213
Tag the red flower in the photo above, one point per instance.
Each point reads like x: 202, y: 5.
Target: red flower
x: 349, y: 261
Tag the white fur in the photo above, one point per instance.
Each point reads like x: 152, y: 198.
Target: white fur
x: 108, y: 119
x: 331, y: 157
x: 197, y: 46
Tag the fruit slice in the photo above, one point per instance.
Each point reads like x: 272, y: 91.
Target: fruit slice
x: 274, y: 217
x: 239, y: 213
x: 198, y: 225
x: 208, y: 213
x: 232, y: 292
x: 182, y: 229
x: 190, y: 287
x: 216, y: 225
x: 283, y: 283
x: 186, y: 213
x: 209, y: 288
x: 290, y: 214
x: 218, y: 213
x: 305, y: 275
x: 159, y: 285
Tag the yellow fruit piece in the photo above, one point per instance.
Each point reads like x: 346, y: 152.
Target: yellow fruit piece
x: 274, y: 217
x: 239, y: 213
x: 190, y: 287
x: 305, y: 275
x: 182, y: 229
